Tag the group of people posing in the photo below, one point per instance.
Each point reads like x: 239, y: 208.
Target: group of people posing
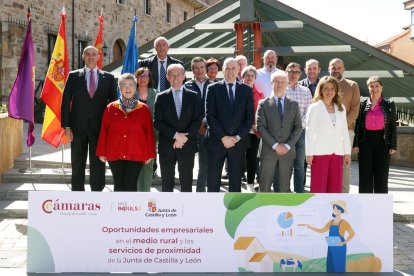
x: 264, y: 121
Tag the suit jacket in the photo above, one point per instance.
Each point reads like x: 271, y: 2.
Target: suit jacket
x: 79, y: 111
x: 322, y: 137
x: 152, y: 64
x: 272, y: 130
x: 192, y: 85
x: 222, y: 121
x: 167, y: 122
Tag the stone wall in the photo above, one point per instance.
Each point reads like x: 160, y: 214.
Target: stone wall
x: 405, y: 148
x: 10, y: 141
x: 46, y: 19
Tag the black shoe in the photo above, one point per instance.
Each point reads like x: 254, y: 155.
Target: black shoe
x: 256, y: 187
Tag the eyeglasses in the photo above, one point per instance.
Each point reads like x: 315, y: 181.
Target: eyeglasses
x: 131, y: 85
x: 294, y: 72
x: 143, y: 76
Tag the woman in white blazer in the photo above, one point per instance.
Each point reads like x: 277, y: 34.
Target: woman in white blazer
x: 327, y: 139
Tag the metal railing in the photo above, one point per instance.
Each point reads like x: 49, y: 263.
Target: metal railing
x: 405, y: 118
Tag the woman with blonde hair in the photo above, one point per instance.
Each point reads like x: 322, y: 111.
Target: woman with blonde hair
x: 327, y: 139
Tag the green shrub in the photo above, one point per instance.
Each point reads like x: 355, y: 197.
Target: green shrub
x: 3, y: 108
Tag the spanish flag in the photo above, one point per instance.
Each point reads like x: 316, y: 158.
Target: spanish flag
x: 55, y: 80
x: 99, y: 42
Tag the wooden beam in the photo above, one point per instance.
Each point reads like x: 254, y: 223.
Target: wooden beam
x: 280, y: 26
x: 309, y: 50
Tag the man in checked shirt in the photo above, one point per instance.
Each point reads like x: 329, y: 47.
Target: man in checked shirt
x: 303, y: 96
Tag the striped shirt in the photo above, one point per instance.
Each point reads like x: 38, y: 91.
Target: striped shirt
x: 303, y: 96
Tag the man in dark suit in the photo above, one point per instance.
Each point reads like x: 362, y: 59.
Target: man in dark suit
x: 177, y: 117
x: 159, y: 63
x: 229, y: 116
x: 199, y: 84
x: 87, y: 92
x: 279, y: 123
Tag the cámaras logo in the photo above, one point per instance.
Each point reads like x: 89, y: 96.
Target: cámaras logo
x: 50, y: 206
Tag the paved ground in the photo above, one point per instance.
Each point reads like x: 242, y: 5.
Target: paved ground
x: 13, y: 238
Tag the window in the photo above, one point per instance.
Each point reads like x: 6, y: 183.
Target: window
x: 120, y: 2
x: 81, y: 46
x: 185, y: 16
x: 168, y: 13
x: 412, y: 24
x: 147, y: 7
x: 51, y: 41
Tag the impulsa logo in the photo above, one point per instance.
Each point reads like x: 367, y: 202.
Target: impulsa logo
x: 49, y: 206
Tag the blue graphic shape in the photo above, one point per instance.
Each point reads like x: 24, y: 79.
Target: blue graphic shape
x: 285, y: 220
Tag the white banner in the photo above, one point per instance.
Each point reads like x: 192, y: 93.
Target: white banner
x: 217, y: 232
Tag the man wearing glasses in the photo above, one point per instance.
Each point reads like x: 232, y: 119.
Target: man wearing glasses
x: 303, y: 97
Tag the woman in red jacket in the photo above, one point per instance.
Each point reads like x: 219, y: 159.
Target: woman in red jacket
x: 126, y: 139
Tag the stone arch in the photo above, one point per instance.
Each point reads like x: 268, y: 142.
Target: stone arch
x: 118, y: 49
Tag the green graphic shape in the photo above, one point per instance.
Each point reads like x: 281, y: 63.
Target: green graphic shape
x: 39, y: 255
x: 239, y: 205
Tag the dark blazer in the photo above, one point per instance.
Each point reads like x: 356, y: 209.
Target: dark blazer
x: 152, y: 63
x: 192, y: 85
x: 272, y: 130
x: 390, y: 123
x: 222, y: 121
x: 167, y: 122
x: 79, y: 111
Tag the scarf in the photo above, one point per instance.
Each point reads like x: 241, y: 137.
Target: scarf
x: 128, y: 105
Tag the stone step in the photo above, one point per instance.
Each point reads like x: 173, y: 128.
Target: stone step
x: 23, y: 163
x: 46, y: 175
x: 13, y: 208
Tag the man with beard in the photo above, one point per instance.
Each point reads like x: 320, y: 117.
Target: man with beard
x: 263, y: 75
x: 350, y: 96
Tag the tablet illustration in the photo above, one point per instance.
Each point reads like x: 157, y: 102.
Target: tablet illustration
x: 333, y: 241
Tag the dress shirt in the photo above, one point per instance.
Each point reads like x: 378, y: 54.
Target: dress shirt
x: 375, y: 118
x: 263, y: 81
x: 312, y: 86
x: 201, y: 86
x: 180, y: 95
x: 302, y: 95
x: 276, y: 98
x: 88, y: 73
x: 233, y: 88
x: 159, y: 67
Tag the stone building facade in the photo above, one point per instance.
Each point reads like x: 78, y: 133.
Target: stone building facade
x: 155, y: 17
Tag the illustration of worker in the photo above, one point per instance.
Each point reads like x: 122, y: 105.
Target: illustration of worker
x: 336, y: 257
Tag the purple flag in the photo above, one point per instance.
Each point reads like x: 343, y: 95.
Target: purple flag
x: 21, y: 101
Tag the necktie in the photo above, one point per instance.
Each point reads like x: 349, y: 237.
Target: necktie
x: 231, y: 97
x: 280, y: 108
x: 92, y: 84
x: 177, y: 102
x: 163, y: 84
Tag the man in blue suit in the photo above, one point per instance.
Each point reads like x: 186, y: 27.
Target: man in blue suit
x: 199, y: 84
x: 229, y: 116
x: 159, y: 63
